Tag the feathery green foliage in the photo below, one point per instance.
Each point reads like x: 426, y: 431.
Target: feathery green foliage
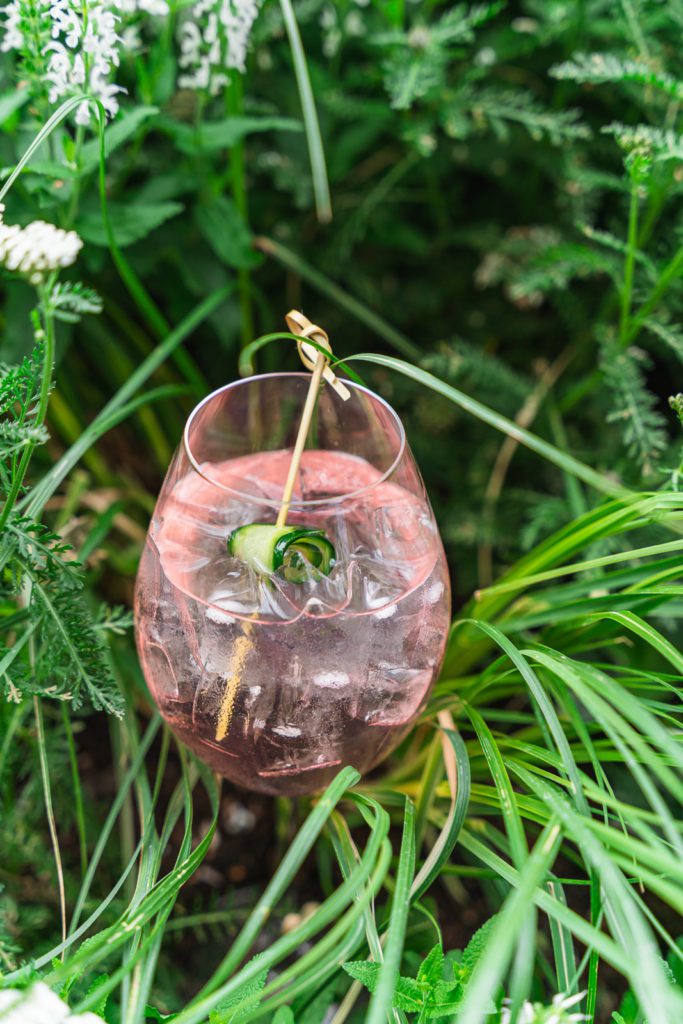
x: 491, y: 193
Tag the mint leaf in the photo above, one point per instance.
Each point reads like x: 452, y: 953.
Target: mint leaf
x: 240, y: 1004
x: 408, y: 995
x: 475, y: 947
x: 435, y: 1010
x: 366, y: 973
x: 431, y: 968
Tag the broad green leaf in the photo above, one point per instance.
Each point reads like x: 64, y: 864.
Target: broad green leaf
x: 363, y: 971
x: 240, y: 1005
x: 209, y: 136
x: 408, y: 995
x: 223, y: 227
x: 11, y: 102
x: 132, y: 222
x: 115, y: 135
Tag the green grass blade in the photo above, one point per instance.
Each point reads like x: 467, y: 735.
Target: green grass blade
x: 321, y: 189
x: 459, y: 782
x: 277, y: 886
x: 380, y: 1004
x: 567, y: 463
x: 490, y: 971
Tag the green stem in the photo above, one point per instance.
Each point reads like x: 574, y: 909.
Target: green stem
x: 76, y: 188
x: 632, y: 245
x: 47, y: 792
x: 78, y: 790
x: 234, y: 97
x: 672, y: 270
x: 44, y: 395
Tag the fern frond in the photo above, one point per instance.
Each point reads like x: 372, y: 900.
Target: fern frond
x: 419, y: 58
x: 15, y: 435
x: 659, y: 143
x: 72, y: 659
x: 614, y: 244
x: 597, y: 68
x: 70, y: 300
x: 532, y: 262
x: 553, y: 269
x: 44, y: 551
x: 19, y: 384
x: 460, y: 360
x: 115, y: 619
x: 671, y: 336
x: 497, y: 108
x: 635, y: 408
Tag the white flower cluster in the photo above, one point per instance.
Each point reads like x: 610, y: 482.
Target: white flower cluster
x: 39, y: 1005
x: 83, y: 53
x: 214, y: 40
x: 80, y: 43
x: 36, y: 249
x: 556, y: 1013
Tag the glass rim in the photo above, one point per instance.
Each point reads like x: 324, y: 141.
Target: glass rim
x: 336, y: 499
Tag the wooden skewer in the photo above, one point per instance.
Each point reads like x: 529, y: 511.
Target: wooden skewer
x: 303, y: 328
x: 306, y: 417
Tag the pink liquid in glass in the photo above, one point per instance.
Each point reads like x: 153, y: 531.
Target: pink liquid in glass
x: 277, y: 685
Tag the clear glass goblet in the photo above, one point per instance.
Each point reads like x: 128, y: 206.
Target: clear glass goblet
x: 278, y: 684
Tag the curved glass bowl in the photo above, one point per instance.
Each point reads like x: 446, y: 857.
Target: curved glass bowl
x: 275, y: 684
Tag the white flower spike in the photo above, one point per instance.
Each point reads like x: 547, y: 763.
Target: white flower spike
x: 36, y: 249
x: 80, y: 44
x: 213, y: 40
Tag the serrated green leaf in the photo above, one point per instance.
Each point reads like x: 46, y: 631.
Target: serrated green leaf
x: 408, y: 995
x: 446, y: 1009
x: 476, y: 946
x: 363, y: 971
x: 431, y: 968
x: 241, y: 1004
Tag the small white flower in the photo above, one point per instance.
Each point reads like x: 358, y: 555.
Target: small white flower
x: 213, y: 40
x: 556, y: 1013
x: 77, y: 47
x: 39, y: 1005
x: 36, y: 249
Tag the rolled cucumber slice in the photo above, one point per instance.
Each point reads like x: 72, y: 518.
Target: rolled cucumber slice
x: 296, y: 553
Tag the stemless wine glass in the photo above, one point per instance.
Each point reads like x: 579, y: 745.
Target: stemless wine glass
x: 278, y: 684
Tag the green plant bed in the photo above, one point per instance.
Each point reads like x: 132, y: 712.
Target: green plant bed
x: 482, y: 204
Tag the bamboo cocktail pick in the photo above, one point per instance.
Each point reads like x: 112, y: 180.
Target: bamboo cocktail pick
x: 319, y: 363
x: 315, y: 360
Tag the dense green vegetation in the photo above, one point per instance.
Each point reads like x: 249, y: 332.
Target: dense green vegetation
x: 487, y: 198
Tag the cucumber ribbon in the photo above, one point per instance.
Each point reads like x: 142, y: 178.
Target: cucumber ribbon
x: 296, y: 553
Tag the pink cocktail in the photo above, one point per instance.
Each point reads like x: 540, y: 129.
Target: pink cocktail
x: 278, y: 684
